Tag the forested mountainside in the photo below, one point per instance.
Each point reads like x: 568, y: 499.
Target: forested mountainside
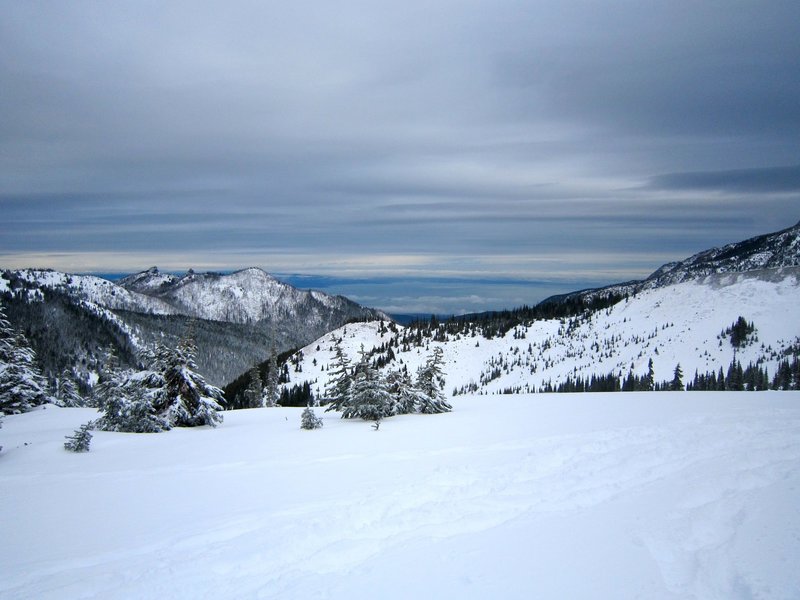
x: 744, y: 325
x: 75, y: 321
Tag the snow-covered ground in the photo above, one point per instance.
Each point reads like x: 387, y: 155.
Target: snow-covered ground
x: 652, y: 495
x: 677, y: 324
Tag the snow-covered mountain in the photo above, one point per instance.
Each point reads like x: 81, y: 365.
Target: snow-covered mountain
x: 246, y: 296
x: 770, y: 251
x: 75, y: 319
x: 764, y: 252
x: 681, y: 315
x: 679, y: 324
x: 82, y: 288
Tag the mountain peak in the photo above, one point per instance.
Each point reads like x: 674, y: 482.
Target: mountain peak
x: 768, y: 251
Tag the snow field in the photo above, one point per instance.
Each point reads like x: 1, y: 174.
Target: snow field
x: 678, y: 324
x: 667, y: 495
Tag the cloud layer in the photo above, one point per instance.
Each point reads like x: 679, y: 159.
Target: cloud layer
x: 468, y: 139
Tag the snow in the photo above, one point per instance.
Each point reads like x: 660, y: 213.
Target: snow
x: 639, y: 495
x: 677, y: 324
x: 93, y: 290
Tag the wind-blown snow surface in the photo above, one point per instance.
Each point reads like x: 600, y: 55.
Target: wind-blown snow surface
x: 652, y: 495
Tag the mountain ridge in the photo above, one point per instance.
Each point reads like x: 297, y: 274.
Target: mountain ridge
x: 765, y: 251
x: 242, y: 317
x: 680, y: 315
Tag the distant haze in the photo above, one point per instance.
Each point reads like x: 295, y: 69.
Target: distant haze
x: 445, y: 157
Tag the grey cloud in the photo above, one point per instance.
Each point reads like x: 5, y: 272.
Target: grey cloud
x: 771, y: 179
x: 460, y: 127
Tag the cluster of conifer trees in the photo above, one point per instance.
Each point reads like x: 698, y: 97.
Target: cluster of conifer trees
x: 363, y: 391
x: 751, y: 378
x: 168, y: 392
x: 22, y: 385
x: 734, y: 379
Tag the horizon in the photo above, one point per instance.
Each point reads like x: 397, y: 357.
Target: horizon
x: 407, y: 296
x: 547, y: 146
x: 411, y: 295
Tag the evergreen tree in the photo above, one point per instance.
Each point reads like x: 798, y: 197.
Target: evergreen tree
x: 129, y: 399
x: 430, y: 382
x: 369, y: 397
x: 21, y: 383
x: 406, y: 397
x: 271, y: 389
x: 80, y: 440
x: 190, y: 401
x: 734, y: 381
x: 739, y: 332
x: 67, y: 393
x: 309, y: 420
x: 648, y: 383
x: 630, y: 384
x: 677, y: 379
x: 252, y: 394
x: 340, y: 379
x: 721, y: 384
x: 108, y: 395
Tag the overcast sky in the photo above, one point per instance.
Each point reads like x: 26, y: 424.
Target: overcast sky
x: 533, y: 147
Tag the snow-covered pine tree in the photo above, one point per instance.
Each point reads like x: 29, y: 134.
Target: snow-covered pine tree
x: 80, y: 440
x: 271, y: 389
x: 406, y: 397
x: 369, y: 396
x: 128, y: 399
x: 110, y: 397
x: 309, y: 420
x: 21, y: 383
x: 67, y: 393
x: 190, y: 400
x: 143, y: 390
x: 430, y: 382
x: 252, y: 394
x: 340, y: 379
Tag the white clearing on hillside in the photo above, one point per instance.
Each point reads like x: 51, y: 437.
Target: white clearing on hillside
x: 641, y: 495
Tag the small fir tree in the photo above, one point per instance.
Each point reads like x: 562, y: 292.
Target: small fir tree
x: 430, y: 382
x: 190, y: 400
x: 649, y: 381
x: 80, y: 440
x: 676, y: 385
x: 309, y: 420
x: 369, y: 397
x: 22, y: 385
x: 340, y: 379
x: 272, y: 391
x: 252, y: 394
x: 67, y: 392
x: 406, y: 397
x: 128, y: 400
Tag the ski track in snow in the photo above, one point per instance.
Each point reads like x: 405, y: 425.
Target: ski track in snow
x: 691, y: 485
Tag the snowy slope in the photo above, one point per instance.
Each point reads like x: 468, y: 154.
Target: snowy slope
x: 771, y: 251
x: 249, y: 295
x: 657, y: 496
x: 242, y: 316
x: 678, y: 324
x: 147, y: 282
x: 246, y: 296
x: 88, y: 288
